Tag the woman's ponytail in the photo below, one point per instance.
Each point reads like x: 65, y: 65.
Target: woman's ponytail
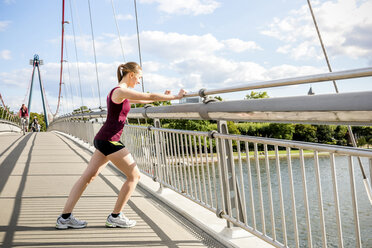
x: 124, y: 69
x: 120, y: 74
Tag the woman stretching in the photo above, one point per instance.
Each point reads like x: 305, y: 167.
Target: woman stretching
x: 110, y: 148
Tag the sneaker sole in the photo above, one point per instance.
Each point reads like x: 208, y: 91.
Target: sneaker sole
x: 113, y: 225
x: 64, y: 227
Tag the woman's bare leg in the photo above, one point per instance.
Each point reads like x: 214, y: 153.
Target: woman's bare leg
x: 124, y: 161
x: 96, y: 164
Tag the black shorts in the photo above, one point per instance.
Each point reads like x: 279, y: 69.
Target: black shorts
x: 108, y: 147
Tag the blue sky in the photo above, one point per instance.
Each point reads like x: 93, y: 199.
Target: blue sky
x: 191, y: 44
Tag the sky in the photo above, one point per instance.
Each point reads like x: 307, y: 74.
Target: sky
x: 190, y: 44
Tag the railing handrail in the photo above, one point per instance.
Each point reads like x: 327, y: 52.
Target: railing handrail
x: 344, y: 108
x: 316, y: 78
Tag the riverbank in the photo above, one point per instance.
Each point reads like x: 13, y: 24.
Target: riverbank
x: 203, y: 159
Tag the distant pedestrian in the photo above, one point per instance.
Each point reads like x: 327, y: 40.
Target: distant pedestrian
x: 110, y: 148
x: 35, y: 125
x: 23, y: 113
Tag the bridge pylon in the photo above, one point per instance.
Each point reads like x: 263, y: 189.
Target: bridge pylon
x: 36, y: 62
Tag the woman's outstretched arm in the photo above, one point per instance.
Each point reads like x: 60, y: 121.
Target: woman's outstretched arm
x: 138, y: 97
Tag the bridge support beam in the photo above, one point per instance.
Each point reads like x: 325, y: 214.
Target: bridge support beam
x: 160, y: 161
x: 230, y: 185
x: 36, y: 62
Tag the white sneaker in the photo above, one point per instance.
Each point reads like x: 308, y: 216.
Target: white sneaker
x: 120, y: 221
x: 71, y: 222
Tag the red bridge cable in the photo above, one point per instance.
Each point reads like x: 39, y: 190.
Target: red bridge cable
x: 60, y: 74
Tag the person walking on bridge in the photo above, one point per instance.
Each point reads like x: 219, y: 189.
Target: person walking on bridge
x: 23, y: 113
x: 110, y: 148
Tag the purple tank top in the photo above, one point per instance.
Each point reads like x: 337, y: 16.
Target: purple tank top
x: 116, y: 117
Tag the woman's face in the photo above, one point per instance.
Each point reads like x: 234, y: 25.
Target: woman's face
x: 135, y: 79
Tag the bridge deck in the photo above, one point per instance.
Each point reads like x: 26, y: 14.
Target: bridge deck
x: 36, y: 174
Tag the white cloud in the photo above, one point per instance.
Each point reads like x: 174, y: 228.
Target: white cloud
x: 5, y: 54
x: 124, y: 17
x: 151, y: 66
x: 107, y: 45
x: 191, y: 74
x: 9, y: 1
x: 16, y: 78
x: 179, y: 46
x: 237, y: 45
x: 185, y: 7
x: 214, y: 72
x: 286, y: 71
x: 162, y: 45
x: 345, y: 27
x: 218, y: 72
x: 4, y: 25
x: 176, y: 60
x: 159, y: 83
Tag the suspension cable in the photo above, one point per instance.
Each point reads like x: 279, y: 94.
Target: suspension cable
x: 94, y: 50
x: 350, y: 131
x: 61, y: 62
x: 117, y: 28
x: 69, y: 78
x: 138, y: 42
x: 76, y: 55
x: 65, y: 93
x: 322, y: 44
x: 66, y: 97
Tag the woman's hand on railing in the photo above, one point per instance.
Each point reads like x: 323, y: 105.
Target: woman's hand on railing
x: 181, y: 93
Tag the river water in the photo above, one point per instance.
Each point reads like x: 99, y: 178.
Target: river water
x: 344, y: 192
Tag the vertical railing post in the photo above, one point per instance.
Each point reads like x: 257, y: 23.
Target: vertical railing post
x: 227, y: 156
x: 159, y: 155
x: 222, y: 128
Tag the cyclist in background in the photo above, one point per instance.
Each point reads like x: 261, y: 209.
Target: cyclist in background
x: 23, y: 113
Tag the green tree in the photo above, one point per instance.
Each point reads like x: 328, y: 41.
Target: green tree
x: 280, y: 131
x: 194, y: 125
x: 305, y: 132
x: 158, y: 103
x: 257, y: 95
x: 325, y: 134
x: 362, y: 141
x: 341, y: 135
x: 369, y: 141
x: 233, y: 129
x: 252, y: 129
x: 40, y: 119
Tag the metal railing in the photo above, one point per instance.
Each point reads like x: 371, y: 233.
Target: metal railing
x: 288, y: 193
x: 8, y: 121
x: 9, y: 118
x: 251, y: 183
